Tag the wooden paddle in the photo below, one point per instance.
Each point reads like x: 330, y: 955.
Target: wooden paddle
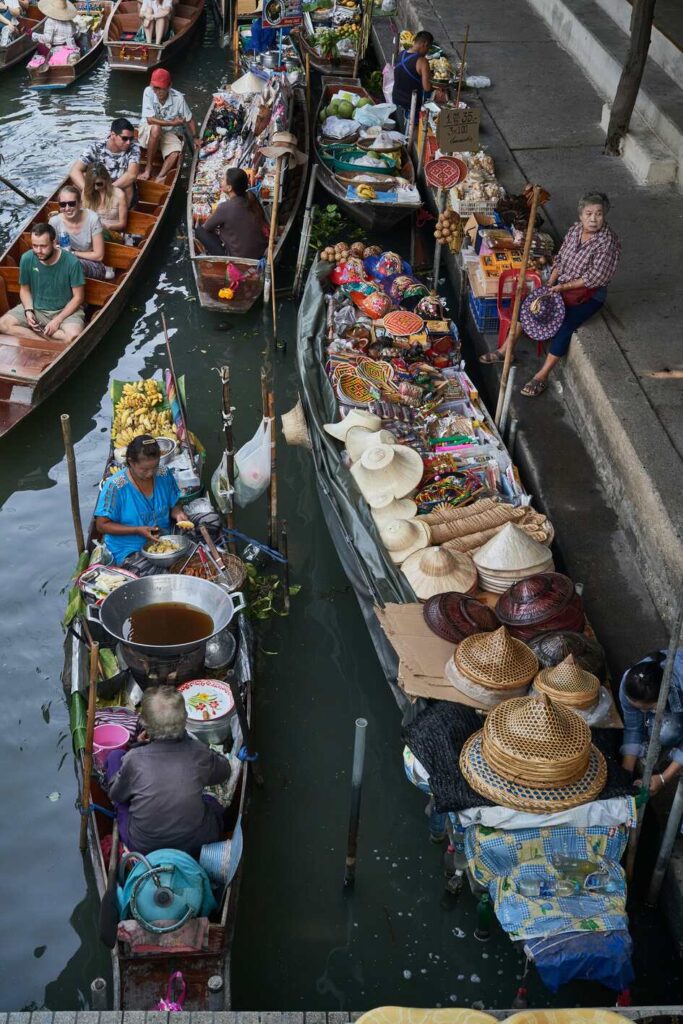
x: 109, y: 907
x: 87, y: 753
x: 272, y: 238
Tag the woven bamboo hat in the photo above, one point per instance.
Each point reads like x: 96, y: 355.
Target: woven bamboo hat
x: 360, y: 438
x: 396, y: 508
x: 552, y: 648
x: 454, y: 616
x: 485, y: 697
x: 60, y: 10
x: 569, y: 684
x: 436, y: 571
x: 496, y: 660
x: 295, y: 428
x: 509, y: 556
x: 403, y: 537
x: 356, y: 418
x: 386, y: 469
x: 534, y: 755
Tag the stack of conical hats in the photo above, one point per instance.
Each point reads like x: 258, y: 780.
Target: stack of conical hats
x: 508, y: 557
x: 491, y: 667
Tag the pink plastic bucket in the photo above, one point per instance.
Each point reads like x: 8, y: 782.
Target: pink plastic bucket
x: 107, y: 738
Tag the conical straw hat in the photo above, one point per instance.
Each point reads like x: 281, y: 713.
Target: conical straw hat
x: 485, y: 696
x: 359, y: 438
x: 534, y: 755
x: 247, y: 84
x: 569, y: 684
x: 60, y: 10
x: 387, y: 469
x: 511, y: 549
x: 403, y: 537
x: 356, y: 418
x: 396, y: 508
x: 496, y: 660
x: 436, y: 571
x: 295, y: 428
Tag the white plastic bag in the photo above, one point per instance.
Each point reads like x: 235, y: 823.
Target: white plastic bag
x: 220, y: 486
x: 339, y: 127
x: 374, y: 115
x: 252, y: 465
x: 388, y: 81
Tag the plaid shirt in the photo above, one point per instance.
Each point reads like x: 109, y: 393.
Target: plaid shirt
x: 595, y: 260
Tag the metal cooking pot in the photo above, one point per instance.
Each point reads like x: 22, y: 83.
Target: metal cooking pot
x: 207, y: 597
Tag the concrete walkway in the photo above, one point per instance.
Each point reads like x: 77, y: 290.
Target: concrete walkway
x: 624, y: 375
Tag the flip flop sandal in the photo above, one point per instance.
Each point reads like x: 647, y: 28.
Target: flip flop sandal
x: 493, y: 357
x: 534, y: 388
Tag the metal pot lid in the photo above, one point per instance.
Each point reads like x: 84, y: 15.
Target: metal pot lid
x: 207, y: 700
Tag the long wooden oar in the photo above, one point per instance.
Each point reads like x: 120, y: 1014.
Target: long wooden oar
x: 272, y: 237
x: 109, y: 907
x: 73, y: 482
x: 19, y: 192
x: 87, y: 753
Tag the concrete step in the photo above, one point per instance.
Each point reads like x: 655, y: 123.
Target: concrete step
x: 599, y: 46
x: 664, y: 48
x: 648, y: 159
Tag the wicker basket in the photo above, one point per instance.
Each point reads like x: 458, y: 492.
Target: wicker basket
x: 496, y: 660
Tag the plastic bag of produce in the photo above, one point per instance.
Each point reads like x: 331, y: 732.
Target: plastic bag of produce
x: 252, y: 464
x: 373, y: 114
x: 339, y: 127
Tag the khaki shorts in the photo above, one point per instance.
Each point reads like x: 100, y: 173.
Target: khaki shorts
x: 169, y: 142
x: 43, y: 316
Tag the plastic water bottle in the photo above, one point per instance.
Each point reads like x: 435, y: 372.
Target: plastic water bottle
x: 64, y: 240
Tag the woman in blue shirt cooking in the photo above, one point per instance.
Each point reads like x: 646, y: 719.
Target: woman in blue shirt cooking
x: 139, y: 503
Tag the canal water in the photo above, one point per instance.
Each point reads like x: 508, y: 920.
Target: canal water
x: 301, y: 942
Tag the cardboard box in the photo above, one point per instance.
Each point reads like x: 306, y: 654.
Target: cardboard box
x: 472, y: 225
x: 245, y: 7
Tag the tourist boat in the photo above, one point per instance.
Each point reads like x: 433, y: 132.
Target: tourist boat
x: 210, y: 272
x: 140, y: 978
x: 30, y: 370
x: 374, y: 216
x: 23, y: 44
x: 125, y: 54
x: 64, y: 75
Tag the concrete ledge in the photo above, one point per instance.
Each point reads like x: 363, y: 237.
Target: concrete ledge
x: 662, y: 50
x: 648, y: 159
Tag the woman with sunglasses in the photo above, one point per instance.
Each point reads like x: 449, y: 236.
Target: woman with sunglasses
x: 101, y: 195
x: 80, y: 231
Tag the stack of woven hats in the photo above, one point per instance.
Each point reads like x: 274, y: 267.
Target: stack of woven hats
x: 542, y: 603
x: 436, y: 571
x: 454, y: 616
x: 509, y: 556
x: 488, y: 668
x: 552, y: 648
x: 569, y: 684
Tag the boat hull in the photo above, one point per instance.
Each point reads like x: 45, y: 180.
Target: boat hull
x: 340, y: 68
x: 127, y: 55
x: 63, y: 77
x: 23, y: 46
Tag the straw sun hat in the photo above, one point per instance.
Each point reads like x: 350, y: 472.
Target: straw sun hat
x: 356, y: 418
x: 491, y: 667
x: 509, y: 556
x: 396, y: 508
x: 569, y: 684
x: 534, y: 755
x: 403, y: 537
x: 386, y: 470
x: 285, y: 144
x: 360, y: 438
x: 60, y: 10
x: 436, y: 571
x: 295, y: 428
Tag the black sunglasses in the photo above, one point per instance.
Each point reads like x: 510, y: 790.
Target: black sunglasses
x: 126, y: 138
x: 70, y: 204
x: 98, y: 184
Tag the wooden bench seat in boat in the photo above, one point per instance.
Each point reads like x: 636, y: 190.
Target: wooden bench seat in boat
x: 96, y: 292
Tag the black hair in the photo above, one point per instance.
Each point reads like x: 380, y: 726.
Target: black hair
x: 121, y: 124
x: 44, y: 229
x: 423, y: 37
x: 237, y: 179
x: 642, y: 681
x: 143, y: 444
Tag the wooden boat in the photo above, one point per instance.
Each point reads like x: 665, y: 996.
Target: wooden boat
x: 31, y: 370
x: 339, y: 67
x: 22, y: 45
x: 139, y: 979
x: 373, y: 216
x: 210, y: 271
x: 64, y: 76
x: 122, y: 26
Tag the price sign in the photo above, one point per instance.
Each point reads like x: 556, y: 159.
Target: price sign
x: 282, y: 13
x: 457, y: 131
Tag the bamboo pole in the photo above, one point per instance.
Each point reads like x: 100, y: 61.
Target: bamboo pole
x: 272, y: 510
x: 229, y: 448
x: 462, y: 66
x: 87, y: 753
x: 410, y: 127
x: 235, y: 40
x: 305, y: 234
x: 359, y: 41
x: 441, y: 200
x: 308, y: 85
x: 284, y: 551
x: 272, y: 237
x: 186, y: 432
x: 521, y: 280
x: 73, y: 482
x: 422, y: 143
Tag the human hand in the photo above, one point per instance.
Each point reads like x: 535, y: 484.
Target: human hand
x: 142, y: 737
x: 555, y: 288
x: 32, y: 321
x: 149, y: 532
x: 197, y: 143
x: 657, y: 783
x: 52, y: 327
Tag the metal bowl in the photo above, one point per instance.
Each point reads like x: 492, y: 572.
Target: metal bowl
x: 182, y: 544
x: 168, y: 448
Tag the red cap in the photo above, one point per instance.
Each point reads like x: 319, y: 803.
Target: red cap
x: 161, y: 79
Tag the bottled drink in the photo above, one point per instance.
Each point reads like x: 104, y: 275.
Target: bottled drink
x: 64, y: 240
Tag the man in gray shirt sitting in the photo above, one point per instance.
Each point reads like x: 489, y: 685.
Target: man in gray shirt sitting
x: 158, y: 786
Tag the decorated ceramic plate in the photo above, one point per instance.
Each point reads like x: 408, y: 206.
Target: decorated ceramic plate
x: 445, y: 172
x: 206, y: 699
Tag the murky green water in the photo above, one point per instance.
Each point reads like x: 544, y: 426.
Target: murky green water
x: 301, y: 943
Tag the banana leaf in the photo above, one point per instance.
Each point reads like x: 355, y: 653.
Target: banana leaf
x: 78, y: 714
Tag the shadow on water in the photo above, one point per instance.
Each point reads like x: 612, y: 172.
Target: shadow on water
x: 301, y: 943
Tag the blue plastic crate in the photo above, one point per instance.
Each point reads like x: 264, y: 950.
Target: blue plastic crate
x: 485, y: 314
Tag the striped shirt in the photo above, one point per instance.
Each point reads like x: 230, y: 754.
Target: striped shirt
x: 595, y: 260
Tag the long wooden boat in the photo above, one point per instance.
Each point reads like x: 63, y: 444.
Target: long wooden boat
x: 65, y: 75
x: 210, y: 271
x: 340, y: 67
x: 139, y: 979
x: 30, y: 370
x: 123, y: 24
x: 22, y: 45
x: 373, y: 216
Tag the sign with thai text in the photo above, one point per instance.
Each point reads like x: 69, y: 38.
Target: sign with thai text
x: 457, y: 131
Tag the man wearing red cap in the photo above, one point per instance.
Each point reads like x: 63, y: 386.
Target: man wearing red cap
x: 164, y: 114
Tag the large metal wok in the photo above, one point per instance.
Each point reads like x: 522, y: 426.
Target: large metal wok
x: 207, y: 597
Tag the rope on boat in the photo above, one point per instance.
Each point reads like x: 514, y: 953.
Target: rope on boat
x: 236, y: 535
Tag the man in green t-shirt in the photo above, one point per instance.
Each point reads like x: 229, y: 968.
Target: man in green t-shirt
x: 51, y: 291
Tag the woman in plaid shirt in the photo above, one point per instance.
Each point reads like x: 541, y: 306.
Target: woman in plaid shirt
x: 584, y: 266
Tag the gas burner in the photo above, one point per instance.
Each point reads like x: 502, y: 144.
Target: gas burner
x: 153, y: 671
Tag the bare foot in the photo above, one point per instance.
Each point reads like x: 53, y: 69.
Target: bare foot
x: 145, y: 175
x: 161, y: 178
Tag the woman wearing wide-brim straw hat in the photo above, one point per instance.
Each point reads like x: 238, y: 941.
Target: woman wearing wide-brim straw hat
x: 58, y: 28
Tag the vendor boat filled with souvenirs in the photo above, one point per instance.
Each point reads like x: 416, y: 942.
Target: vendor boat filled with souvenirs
x: 250, y: 124
x: 22, y: 43
x: 168, y: 917
x: 127, y: 46
x: 484, y: 644
x: 364, y: 166
x: 330, y: 36
x: 58, y: 67
x: 30, y: 370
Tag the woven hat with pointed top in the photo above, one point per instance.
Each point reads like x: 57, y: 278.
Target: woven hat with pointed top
x: 509, y: 556
x: 403, y: 537
x: 386, y: 469
x: 436, y: 571
x: 569, y: 684
x: 496, y: 660
x: 534, y: 755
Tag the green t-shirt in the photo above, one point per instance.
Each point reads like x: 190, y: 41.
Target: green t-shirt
x: 51, y: 286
